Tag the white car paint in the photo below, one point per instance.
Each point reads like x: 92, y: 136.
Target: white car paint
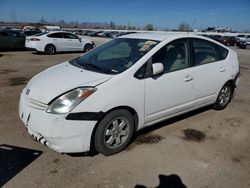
x: 38, y: 42
x: 153, y: 99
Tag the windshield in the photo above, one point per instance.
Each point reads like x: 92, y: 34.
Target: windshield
x: 115, y: 56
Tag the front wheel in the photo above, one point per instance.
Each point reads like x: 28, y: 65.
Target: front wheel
x: 224, y: 97
x: 114, y: 132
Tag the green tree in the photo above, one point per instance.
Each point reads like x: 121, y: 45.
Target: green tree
x: 149, y: 27
x: 184, y: 27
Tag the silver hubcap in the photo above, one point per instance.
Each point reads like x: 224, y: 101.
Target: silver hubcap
x: 224, y: 95
x: 116, y: 133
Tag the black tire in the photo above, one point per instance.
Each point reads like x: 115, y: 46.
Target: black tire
x: 50, y: 49
x: 87, y: 47
x: 224, y: 97
x: 109, y: 132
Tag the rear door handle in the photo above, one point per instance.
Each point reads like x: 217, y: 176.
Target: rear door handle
x: 222, y: 69
x: 188, y: 79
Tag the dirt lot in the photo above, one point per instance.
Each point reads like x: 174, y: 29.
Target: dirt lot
x: 205, y: 148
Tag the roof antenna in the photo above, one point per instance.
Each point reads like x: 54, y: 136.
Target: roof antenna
x: 193, y: 24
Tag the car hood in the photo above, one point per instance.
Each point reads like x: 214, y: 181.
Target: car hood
x: 59, y: 79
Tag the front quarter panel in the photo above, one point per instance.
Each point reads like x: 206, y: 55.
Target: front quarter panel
x: 117, y: 92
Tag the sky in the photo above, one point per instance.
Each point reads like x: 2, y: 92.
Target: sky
x: 161, y: 13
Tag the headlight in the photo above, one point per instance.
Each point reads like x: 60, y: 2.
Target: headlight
x: 65, y: 103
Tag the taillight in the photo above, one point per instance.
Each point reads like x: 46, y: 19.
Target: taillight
x: 35, y: 39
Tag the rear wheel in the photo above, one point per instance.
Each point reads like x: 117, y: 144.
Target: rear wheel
x: 87, y: 47
x: 114, y: 132
x: 50, y: 49
x: 224, y: 97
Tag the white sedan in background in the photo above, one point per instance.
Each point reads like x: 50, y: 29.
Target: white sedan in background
x: 58, y: 41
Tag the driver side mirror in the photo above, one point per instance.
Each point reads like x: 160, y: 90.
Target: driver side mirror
x: 157, y: 69
x: 80, y: 39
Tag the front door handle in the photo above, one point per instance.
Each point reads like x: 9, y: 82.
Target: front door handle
x: 188, y: 79
x: 222, y: 69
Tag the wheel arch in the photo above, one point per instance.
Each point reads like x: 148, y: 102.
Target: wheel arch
x: 87, y: 43
x: 50, y: 44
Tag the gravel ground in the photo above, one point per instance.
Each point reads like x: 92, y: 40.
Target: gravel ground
x: 205, y: 148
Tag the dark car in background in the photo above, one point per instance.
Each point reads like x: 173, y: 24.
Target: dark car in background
x: 11, y: 40
x: 31, y: 32
x: 227, y: 40
x: 214, y: 37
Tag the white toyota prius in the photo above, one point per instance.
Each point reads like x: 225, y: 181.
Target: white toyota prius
x: 101, y: 98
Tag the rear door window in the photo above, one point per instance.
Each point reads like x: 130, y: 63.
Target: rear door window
x: 55, y: 35
x: 70, y: 36
x: 207, y: 52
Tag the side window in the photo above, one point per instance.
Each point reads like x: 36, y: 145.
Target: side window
x: 174, y: 56
x: 205, y: 52
x: 55, y: 35
x: 70, y: 36
x: 141, y: 72
x: 223, y: 52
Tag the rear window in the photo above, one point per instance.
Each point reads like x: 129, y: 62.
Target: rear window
x: 223, y: 52
x: 40, y: 34
x: 207, y: 52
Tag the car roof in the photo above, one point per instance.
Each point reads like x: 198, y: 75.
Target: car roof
x: 158, y: 36
x: 51, y: 32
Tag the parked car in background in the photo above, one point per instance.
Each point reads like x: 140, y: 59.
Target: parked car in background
x: 58, y: 41
x: 101, y: 33
x: 86, y: 32
x: 102, y: 97
x: 11, y: 40
x: 244, y: 44
x: 227, y: 40
x: 94, y: 33
x: 214, y: 37
x: 114, y: 34
x: 241, y: 39
x: 31, y: 32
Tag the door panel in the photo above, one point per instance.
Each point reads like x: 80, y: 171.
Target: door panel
x: 73, y: 43
x: 168, y: 94
x: 209, y: 71
x: 172, y: 92
x: 208, y: 80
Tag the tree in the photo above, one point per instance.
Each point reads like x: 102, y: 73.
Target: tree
x: 184, y: 27
x: 149, y: 27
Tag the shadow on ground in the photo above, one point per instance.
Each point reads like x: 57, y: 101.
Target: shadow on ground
x: 13, y: 160
x: 171, y: 181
